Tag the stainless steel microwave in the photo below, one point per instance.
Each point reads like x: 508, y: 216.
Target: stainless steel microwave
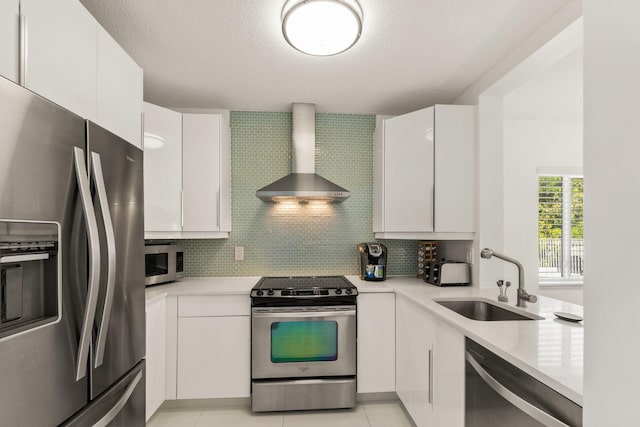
x: 163, y: 262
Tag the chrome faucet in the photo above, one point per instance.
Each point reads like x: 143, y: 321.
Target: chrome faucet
x: 523, y: 296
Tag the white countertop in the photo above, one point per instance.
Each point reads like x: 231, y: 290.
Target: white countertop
x: 203, y: 286
x: 550, y: 350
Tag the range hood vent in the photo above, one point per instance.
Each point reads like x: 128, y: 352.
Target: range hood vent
x: 303, y: 184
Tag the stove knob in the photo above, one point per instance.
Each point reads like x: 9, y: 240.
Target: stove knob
x: 259, y: 293
x: 270, y: 292
x: 348, y: 291
x: 338, y: 291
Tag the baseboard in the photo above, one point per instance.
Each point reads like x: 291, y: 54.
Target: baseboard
x: 376, y: 397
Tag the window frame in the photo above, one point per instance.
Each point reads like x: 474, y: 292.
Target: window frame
x: 566, y: 173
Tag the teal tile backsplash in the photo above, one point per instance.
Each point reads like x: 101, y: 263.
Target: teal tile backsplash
x: 307, y: 240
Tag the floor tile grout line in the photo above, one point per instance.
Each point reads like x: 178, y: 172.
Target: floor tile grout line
x: 364, y: 408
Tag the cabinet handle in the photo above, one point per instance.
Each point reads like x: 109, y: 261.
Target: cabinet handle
x: 23, y: 47
x: 181, y: 209
x: 433, y: 207
x: 218, y: 209
x: 431, y: 382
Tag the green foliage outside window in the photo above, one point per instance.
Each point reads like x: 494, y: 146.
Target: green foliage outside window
x: 550, y: 205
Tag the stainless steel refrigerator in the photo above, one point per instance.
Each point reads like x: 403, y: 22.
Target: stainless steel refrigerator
x: 71, y: 269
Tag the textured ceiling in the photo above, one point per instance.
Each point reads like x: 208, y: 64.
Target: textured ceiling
x: 231, y: 54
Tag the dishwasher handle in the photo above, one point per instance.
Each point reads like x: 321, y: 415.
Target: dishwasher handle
x: 526, y: 407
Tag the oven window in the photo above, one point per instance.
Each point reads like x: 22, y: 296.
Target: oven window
x: 310, y: 341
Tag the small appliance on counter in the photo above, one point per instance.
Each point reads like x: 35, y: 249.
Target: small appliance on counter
x: 163, y: 262
x: 373, y: 261
x: 447, y: 273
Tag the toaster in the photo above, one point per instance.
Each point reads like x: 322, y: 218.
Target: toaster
x: 447, y: 273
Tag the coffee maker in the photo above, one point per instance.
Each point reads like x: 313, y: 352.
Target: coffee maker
x: 373, y: 261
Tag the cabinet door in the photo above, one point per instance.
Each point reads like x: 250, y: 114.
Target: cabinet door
x: 408, y: 172
x: 454, y: 168
x: 61, y: 55
x: 119, y: 90
x: 155, y: 355
x: 414, y: 329
x: 9, y: 40
x: 201, y: 172
x: 213, y: 357
x: 376, y: 343
x: 448, y: 376
x: 163, y: 170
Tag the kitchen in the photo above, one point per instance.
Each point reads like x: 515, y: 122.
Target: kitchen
x: 602, y: 404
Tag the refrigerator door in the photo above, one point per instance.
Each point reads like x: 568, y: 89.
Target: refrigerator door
x: 115, y: 167
x: 122, y: 405
x: 38, y: 183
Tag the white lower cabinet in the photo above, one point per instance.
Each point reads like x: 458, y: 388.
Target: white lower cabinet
x: 155, y: 355
x: 213, y: 347
x: 429, y: 367
x: 376, y: 342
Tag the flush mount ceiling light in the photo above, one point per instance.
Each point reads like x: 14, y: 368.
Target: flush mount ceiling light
x: 321, y: 27
x: 153, y: 141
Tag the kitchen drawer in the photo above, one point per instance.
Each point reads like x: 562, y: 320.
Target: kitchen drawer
x: 223, y: 305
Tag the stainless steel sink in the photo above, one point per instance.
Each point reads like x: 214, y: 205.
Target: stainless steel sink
x: 476, y: 309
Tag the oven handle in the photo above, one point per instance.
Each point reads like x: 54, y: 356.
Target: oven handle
x: 289, y: 313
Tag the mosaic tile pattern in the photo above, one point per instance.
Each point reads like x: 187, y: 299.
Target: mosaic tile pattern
x: 307, y: 240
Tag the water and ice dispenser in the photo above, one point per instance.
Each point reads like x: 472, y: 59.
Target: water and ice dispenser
x: 29, y: 275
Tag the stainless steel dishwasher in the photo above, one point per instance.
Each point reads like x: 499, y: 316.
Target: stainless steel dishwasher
x: 500, y: 394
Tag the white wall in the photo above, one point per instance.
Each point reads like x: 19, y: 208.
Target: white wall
x: 534, y: 54
x: 528, y: 145
x: 612, y: 212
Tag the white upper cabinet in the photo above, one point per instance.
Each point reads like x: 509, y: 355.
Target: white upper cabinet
x: 162, y: 170
x: 61, y: 57
x: 408, y: 177
x: 187, y: 180
x: 424, y: 174
x: 9, y: 39
x: 203, y: 173
x: 119, y: 90
x: 59, y: 51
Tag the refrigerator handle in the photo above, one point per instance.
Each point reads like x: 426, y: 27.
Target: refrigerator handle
x: 91, y: 225
x: 98, y: 179
x: 115, y: 410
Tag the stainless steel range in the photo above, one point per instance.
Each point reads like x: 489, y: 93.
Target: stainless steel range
x: 303, y: 343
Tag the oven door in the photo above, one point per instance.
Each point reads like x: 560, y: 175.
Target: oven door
x: 300, y: 342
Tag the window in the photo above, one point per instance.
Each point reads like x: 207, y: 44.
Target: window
x: 560, y: 228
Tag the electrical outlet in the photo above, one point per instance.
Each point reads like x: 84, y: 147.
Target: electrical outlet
x: 239, y: 253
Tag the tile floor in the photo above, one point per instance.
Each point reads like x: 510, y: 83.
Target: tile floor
x: 365, y: 414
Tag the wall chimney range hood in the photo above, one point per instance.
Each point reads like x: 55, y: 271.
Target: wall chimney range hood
x: 303, y: 184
